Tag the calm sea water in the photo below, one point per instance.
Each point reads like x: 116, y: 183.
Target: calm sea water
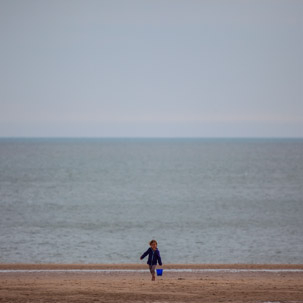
x: 102, y: 200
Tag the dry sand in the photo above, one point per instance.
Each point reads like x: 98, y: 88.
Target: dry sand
x: 86, y: 285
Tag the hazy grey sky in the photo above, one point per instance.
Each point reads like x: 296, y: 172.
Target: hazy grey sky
x: 157, y: 68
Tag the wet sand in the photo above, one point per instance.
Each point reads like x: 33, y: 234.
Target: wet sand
x: 132, y: 283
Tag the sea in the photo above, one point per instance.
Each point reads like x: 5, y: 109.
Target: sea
x: 101, y: 200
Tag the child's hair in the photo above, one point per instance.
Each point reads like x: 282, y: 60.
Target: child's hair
x: 153, y: 241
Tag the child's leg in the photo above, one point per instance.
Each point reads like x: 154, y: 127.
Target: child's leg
x: 152, y: 269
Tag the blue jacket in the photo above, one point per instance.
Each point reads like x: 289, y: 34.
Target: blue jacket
x: 153, y: 257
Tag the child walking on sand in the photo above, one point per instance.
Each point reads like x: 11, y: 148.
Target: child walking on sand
x: 153, y: 258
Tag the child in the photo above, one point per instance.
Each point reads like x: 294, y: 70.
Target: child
x: 153, y: 257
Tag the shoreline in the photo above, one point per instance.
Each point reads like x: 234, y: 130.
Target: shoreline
x: 130, y: 266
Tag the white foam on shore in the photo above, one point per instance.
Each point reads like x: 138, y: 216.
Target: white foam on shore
x: 185, y: 270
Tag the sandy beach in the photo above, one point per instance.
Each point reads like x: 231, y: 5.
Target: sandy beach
x: 132, y: 283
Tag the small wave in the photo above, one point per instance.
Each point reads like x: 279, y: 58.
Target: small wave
x: 185, y: 270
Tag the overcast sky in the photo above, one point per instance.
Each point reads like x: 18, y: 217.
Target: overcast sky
x: 151, y: 68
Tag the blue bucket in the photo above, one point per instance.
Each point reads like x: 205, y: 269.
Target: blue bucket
x: 159, y: 272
